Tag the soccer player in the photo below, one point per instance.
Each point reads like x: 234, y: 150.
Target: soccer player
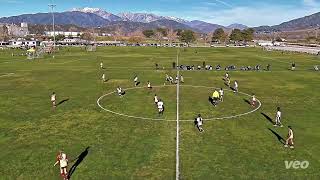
x: 268, y: 67
x: 236, y: 86
x: 103, y: 77
x: 254, y: 101
x: 167, y: 78
x: 289, y: 140
x: 226, y: 76
x: 215, y: 98
x: 156, y: 99
x: 149, y: 85
x: 181, y: 79
x: 177, y: 80
x: 63, y: 161
x: 53, y: 100
x: 221, y: 93
x: 171, y: 79
x: 160, y: 107
x: 199, y: 123
x: 293, y: 66
x: 119, y: 90
x: 278, y: 118
x: 136, y: 82
x: 228, y: 81
x: 101, y: 65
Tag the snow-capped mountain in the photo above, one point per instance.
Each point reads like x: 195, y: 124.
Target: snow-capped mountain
x: 140, y: 17
x: 96, y: 17
x: 183, y: 21
x: 148, y: 17
x: 100, y: 12
x: 128, y: 16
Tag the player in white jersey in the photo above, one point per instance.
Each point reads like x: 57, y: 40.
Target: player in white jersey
x: 136, y: 80
x: 119, y: 90
x: 181, y: 79
x: 278, y: 118
x: 177, y: 80
x: 62, y: 160
x: 103, y: 77
x: 289, y: 140
x: 53, y: 100
x: 226, y: 76
x: 160, y: 107
x: 149, y: 85
x: 221, y: 92
x: 156, y: 99
x: 101, y: 65
x: 236, y: 86
x: 199, y: 122
x: 254, y: 101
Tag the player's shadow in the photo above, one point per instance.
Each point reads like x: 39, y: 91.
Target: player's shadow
x: 280, y: 139
x: 267, y: 117
x: 79, y: 159
x: 105, y: 81
x: 232, y: 89
x: 210, y: 99
x: 63, y: 101
x: 247, y: 101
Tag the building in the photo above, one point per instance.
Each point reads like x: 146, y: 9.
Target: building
x: 264, y: 43
x: 22, y: 43
x: 66, y: 34
x: 3, y: 43
x: 18, y: 31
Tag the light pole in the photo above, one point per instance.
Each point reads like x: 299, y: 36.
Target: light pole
x: 52, y: 6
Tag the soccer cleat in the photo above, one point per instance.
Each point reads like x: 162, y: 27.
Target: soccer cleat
x: 275, y: 125
x: 291, y: 147
x: 285, y: 145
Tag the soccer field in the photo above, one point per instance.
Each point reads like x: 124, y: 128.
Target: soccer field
x: 133, y: 142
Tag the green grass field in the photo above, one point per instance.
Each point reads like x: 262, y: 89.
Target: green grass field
x: 31, y: 133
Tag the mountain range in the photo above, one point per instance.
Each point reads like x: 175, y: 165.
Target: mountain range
x: 130, y: 22
x: 307, y: 22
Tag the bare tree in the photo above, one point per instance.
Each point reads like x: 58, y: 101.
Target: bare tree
x: 118, y: 33
x: 159, y: 36
x: 136, y: 36
x: 172, y: 35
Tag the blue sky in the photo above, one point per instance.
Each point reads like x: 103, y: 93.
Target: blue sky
x: 225, y: 12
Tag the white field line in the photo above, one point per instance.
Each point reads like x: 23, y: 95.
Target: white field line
x: 178, y: 131
x: 180, y: 120
x: 67, y: 62
x: 7, y: 74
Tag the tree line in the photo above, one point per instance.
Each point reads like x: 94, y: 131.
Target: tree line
x: 236, y: 35
x: 188, y: 36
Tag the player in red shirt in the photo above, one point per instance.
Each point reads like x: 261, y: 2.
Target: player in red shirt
x: 63, y: 161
